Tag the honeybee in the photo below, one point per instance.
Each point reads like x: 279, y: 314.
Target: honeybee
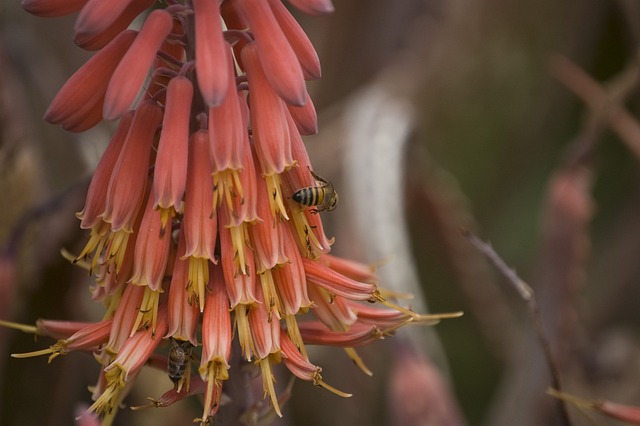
x: 322, y: 197
x: 179, y: 361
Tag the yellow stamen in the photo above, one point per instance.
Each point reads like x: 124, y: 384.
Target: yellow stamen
x: 227, y: 186
x: 118, y: 247
x: 148, y: 312
x: 198, y: 280
x: 307, y: 239
x: 49, y: 350
x: 317, y: 380
x: 268, y: 384
x: 107, y: 403
x: 270, y: 294
x: 429, y: 319
x: 294, y: 334
x: 67, y: 255
x: 357, y: 360
x: 239, y: 238
x: 31, y: 329
x: 166, y: 215
x: 278, y: 210
x: 244, y: 330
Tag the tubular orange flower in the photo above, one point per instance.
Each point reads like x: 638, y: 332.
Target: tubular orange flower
x: 86, y: 88
x: 124, y: 318
x: 211, y: 58
x: 128, y: 180
x: 227, y: 129
x: 183, y: 312
x: 151, y: 250
x: 170, y: 175
x: 52, y: 8
x: 87, y: 338
x: 130, y: 73
x: 278, y: 59
x: 267, y: 234
x: 304, y: 117
x: 313, y: 7
x: 216, y: 342
x: 98, y: 39
x: 97, y: 15
x: 336, y: 283
x: 200, y: 221
x: 290, y: 279
x: 95, y: 200
x: 298, y: 40
x: 270, y: 130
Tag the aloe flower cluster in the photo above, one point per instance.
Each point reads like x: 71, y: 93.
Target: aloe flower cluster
x: 193, y: 235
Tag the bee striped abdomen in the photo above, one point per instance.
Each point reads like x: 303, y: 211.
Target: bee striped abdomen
x: 309, y: 196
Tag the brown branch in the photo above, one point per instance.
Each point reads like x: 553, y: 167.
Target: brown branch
x: 605, y: 103
x: 527, y: 294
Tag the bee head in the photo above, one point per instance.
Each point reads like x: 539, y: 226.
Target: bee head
x: 333, y: 202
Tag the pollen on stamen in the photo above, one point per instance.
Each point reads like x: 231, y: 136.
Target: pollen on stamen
x: 198, y: 279
x: 239, y: 238
x: 268, y: 384
x: 278, y: 211
x: 307, y: 239
x: 227, y: 186
x: 148, y: 311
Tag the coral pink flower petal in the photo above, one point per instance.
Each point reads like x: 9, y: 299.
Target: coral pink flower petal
x: 129, y: 177
x: 89, y: 117
x: 124, y: 317
x: 313, y: 7
x: 265, y: 333
x: 59, y: 329
x: 170, y: 176
x: 278, y: 59
x: 227, y: 129
x: 267, y: 234
x: 333, y: 311
x: 98, y: 15
x: 52, y: 8
x: 316, y: 333
x: 97, y: 40
x: 130, y: 73
x: 89, y: 337
x: 216, y: 322
x: 137, y: 349
x: 240, y: 279
x: 89, y: 84
x: 351, y: 268
x: 200, y: 221
x: 268, y: 117
x: 183, y: 316
x: 300, y: 43
x: 290, y: 278
x: 336, y: 283
x: 97, y: 192
x: 304, y: 117
x: 151, y: 250
x: 211, y: 59
x: 295, y: 362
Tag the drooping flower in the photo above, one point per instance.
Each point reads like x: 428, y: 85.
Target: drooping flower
x: 190, y: 211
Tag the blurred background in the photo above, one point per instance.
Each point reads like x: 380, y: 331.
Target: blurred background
x: 513, y: 119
